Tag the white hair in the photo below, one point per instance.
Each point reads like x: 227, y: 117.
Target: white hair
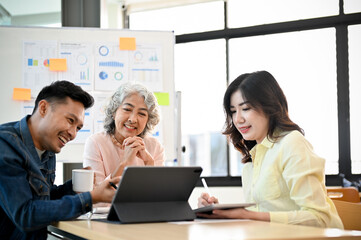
x: 124, y: 91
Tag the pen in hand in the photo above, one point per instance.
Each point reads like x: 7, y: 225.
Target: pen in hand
x: 113, y: 185
x: 206, y: 187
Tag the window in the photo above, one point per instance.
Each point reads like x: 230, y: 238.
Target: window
x: 200, y: 77
x: 257, y: 12
x: 352, y: 6
x: 355, y: 96
x: 304, y: 65
x: 184, y: 19
x: 297, y: 41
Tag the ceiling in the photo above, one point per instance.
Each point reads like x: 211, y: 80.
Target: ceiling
x: 30, y: 13
x: 48, y: 12
x: 26, y: 7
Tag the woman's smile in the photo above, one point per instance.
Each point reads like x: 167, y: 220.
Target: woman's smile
x: 244, y: 130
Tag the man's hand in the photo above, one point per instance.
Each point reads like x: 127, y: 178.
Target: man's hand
x: 104, y: 192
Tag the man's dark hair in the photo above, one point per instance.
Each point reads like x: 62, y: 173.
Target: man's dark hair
x: 58, y: 92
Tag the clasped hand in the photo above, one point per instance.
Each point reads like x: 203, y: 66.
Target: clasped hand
x: 135, y: 147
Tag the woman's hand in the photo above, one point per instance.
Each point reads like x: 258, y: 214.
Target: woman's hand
x: 138, y: 145
x: 132, y: 146
x: 237, y: 213
x: 146, y: 157
x: 205, y: 200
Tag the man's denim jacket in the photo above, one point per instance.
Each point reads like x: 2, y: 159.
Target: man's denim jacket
x: 29, y: 201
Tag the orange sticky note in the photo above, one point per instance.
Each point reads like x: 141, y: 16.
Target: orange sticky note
x: 57, y: 64
x: 22, y: 94
x: 127, y: 44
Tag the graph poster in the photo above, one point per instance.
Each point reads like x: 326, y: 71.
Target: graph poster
x: 111, y: 66
x: 27, y: 107
x: 100, y: 101
x: 87, y: 128
x: 80, y: 62
x: 99, y: 68
x: 146, y: 66
x: 36, y: 55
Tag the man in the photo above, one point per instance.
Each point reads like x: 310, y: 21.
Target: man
x: 29, y: 201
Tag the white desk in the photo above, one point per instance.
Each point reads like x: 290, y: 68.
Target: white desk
x: 243, y: 229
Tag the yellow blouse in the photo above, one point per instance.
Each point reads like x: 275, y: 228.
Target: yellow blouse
x: 286, y: 178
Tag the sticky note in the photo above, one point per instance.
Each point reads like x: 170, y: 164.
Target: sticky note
x: 57, y: 64
x: 162, y: 98
x: 127, y: 44
x: 22, y: 94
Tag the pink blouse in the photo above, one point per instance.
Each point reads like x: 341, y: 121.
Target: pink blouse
x: 103, y: 156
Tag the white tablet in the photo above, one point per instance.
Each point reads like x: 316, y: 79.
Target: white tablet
x: 208, y: 209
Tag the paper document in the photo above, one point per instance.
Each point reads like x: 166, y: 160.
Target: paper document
x: 98, y: 213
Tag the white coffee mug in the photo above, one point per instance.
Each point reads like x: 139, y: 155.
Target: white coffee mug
x: 83, y: 180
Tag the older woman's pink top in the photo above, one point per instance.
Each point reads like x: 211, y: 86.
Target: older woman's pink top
x: 103, y: 156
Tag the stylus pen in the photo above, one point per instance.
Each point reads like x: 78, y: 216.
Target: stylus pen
x: 206, y: 187
x: 113, y: 185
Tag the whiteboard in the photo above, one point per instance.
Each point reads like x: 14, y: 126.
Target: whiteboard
x: 12, y: 41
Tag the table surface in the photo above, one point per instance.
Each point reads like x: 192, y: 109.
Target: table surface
x: 196, y: 230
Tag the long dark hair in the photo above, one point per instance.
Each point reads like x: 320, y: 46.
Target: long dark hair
x: 263, y: 94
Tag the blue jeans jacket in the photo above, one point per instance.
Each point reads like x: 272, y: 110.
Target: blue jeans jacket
x: 29, y: 200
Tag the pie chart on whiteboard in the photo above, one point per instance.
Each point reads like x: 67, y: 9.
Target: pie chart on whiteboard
x: 118, y: 76
x: 103, y: 75
x: 46, y: 63
x: 82, y: 59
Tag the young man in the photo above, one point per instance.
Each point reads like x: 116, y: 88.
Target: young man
x: 29, y: 201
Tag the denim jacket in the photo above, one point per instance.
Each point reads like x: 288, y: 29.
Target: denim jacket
x: 29, y: 200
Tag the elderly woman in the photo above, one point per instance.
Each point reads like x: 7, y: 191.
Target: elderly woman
x: 131, y: 114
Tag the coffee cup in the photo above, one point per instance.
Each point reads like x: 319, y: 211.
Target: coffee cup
x: 83, y: 180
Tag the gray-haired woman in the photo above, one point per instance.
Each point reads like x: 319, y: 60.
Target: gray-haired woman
x: 130, y: 116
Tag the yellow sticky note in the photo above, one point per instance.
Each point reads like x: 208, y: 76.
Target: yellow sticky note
x: 162, y: 98
x: 57, y: 64
x: 22, y: 94
x: 127, y: 44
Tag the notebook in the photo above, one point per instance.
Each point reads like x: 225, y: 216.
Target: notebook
x: 154, y: 194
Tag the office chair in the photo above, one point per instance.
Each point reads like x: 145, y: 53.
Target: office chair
x: 348, y: 194
x: 350, y: 214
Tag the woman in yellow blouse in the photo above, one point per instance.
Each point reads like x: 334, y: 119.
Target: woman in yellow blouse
x: 282, y: 174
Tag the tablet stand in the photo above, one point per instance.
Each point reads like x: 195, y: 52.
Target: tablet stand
x: 137, y: 212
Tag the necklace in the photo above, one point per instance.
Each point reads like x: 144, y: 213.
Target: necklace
x: 116, y: 142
